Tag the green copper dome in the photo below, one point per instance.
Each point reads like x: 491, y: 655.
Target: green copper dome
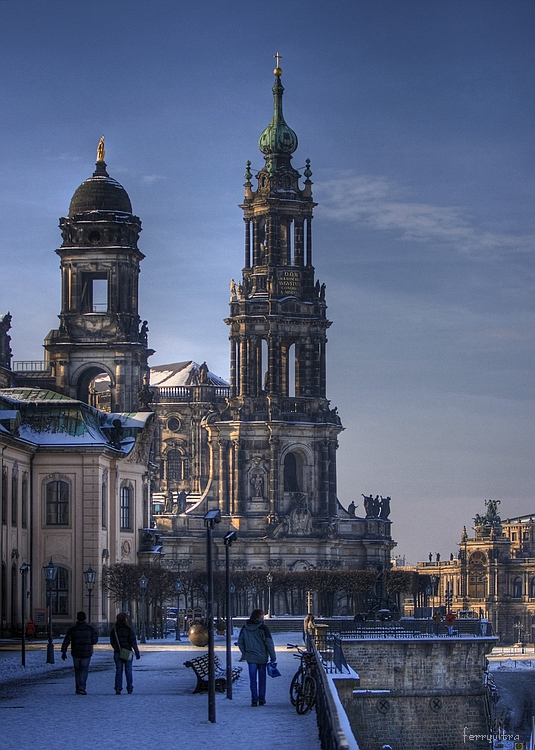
x: 278, y: 137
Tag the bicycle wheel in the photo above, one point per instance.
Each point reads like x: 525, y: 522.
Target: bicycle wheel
x: 296, y: 686
x: 307, y: 695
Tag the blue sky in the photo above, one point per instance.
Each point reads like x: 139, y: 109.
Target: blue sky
x: 417, y: 116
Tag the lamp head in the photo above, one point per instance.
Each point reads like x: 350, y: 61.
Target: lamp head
x: 230, y: 537
x: 213, y: 516
x: 51, y: 571
x: 89, y: 576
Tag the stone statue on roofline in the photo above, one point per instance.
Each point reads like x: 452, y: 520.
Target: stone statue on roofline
x: 5, y: 348
x: 491, y: 518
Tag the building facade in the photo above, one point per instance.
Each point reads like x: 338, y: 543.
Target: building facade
x: 100, y: 334
x: 74, y: 489
x: 260, y: 449
x: 492, y: 576
x: 263, y: 449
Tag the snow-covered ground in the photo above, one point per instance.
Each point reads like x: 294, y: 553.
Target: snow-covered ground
x: 39, y: 708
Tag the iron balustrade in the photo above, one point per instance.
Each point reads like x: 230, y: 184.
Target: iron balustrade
x: 190, y: 393
x: 331, y: 734
x: 31, y: 366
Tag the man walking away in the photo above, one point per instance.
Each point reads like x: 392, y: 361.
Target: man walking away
x: 81, y: 638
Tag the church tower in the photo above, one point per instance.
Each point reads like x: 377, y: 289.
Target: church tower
x: 275, y: 446
x: 99, y: 332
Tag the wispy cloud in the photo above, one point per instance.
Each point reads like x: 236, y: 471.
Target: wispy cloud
x: 150, y: 179
x: 381, y: 204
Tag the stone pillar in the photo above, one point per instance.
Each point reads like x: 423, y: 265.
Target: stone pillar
x: 333, y: 510
x: 232, y: 367
x: 274, y: 478
x: 309, y: 242
x: 247, y: 243
x: 224, y: 498
x: 324, y: 479
x: 298, y: 242
x: 243, y: 366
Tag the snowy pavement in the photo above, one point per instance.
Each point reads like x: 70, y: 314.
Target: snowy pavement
x: 39, y: 708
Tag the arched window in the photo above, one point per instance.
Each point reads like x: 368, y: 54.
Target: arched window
x: 3, y: 593
x: 291, y: 371
x: 291, y: 481
x: 24, y: 501
x: 174, y: 465
x: 477, y: 583
x: 185, y: 468
x: 104, y: 504
x: 517, y: 588
x: 13, y: 595
x: 126, y: 509
x: 60, y: 593
x: 57, y: 503
x: 14, y: 496
x: 4, y: 495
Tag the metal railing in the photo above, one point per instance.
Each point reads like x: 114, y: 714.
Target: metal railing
x: 31, y: 366
x: 191, y: 392
x: 331, y: 734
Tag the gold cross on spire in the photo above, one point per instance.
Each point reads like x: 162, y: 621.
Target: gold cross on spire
x: 278, y: 70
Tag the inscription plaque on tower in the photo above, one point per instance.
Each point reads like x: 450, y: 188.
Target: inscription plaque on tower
x: 289, y: 282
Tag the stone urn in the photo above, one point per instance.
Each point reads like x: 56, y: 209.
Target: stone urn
x: 198, y: 634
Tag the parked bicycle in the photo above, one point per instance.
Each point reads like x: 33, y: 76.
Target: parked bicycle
x: 303, y: 687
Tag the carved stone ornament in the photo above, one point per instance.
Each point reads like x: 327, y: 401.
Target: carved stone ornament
x: 300, y: 522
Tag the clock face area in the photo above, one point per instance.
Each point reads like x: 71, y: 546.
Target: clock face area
x: 477, y: 558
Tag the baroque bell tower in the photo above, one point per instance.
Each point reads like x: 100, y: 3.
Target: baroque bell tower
x: 100, y: 331
x: 274, y: 448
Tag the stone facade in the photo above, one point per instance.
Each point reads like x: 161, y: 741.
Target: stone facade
x: 418, y: 694
x: 260, y: 449
x: 493, y: 575
x: 264, y: 452
x: 100, y: 334
x: 72, y: 490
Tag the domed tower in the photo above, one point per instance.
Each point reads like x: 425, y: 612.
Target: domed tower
x: 100, y: 332
x: 276, y: 443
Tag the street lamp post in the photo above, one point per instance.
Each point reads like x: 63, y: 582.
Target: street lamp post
x: 269, y: 579
x: 51, y: 573
x: 178, y: 589
x: 210, y: 519
x: 228, y: 539
x: 24, y: 569
x: 89, y: 576
x: 143, y: 583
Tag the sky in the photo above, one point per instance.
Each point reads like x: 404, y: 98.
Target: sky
x: 417, y: 116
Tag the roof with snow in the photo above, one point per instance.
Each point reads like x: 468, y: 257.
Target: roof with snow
x: 182, y: 373
x: 48, y: 418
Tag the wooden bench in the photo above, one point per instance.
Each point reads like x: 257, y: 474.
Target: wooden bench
x: 200, y: 667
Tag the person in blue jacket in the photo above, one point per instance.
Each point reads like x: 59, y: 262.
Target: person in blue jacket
x: 257, y: 648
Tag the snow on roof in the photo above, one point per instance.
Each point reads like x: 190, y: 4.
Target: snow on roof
x: 35, y: 395
x: 181, y: 373
x: 136, y: 419
x: 50, y: 418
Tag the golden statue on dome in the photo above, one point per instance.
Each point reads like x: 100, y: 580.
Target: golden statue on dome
x: 100, y: 150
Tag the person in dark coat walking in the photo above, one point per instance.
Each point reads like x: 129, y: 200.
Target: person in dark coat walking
x: 81, y: 638
x: 256, y: 645
x: 123, y: 637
